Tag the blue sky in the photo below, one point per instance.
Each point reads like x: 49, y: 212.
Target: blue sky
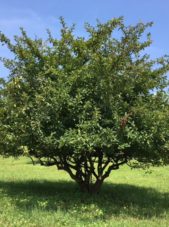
x: 38, y: 15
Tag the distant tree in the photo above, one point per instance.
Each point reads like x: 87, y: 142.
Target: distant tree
x: 87, y: 105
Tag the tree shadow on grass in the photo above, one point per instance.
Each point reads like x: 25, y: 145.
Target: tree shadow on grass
x: 113, y: 200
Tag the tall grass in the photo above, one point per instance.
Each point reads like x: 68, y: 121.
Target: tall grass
x: 42, y: 196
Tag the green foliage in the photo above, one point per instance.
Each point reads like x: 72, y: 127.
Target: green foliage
x: 87, y: 105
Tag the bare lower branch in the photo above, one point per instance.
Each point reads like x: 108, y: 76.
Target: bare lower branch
x: 114, y: 166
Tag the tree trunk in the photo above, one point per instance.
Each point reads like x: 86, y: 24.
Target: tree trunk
x: 91, y: 188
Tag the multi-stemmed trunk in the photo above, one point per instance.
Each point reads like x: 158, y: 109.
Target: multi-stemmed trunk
x: 89, y: 187
x: 88, y: 172
x: 91, y: 175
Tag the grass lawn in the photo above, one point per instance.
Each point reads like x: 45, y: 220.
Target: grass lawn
x: 42, y: 196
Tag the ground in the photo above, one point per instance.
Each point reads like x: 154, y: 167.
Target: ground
x: 42, y: 196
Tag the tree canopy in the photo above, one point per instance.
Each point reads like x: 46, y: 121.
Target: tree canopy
x: 86, y: 104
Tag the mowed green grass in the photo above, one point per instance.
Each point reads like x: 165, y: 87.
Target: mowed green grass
x: 42, y: 196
